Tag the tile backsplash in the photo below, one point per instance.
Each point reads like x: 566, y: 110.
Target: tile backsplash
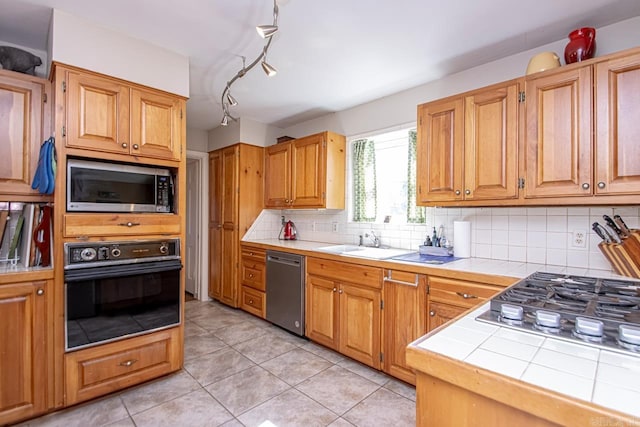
x: 542, y: 235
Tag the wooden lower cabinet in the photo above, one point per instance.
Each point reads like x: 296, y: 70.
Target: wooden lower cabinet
x: 341, y: 315
x: 107, y: 368
x: 403, y: 317
x: 448, y: 298
x: 253, y: 280
x: 24, y: 353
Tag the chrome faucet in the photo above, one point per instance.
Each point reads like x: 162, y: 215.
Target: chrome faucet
x: 375, y: 239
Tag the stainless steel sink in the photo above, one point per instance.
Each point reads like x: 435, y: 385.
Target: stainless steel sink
x: 364, y: 251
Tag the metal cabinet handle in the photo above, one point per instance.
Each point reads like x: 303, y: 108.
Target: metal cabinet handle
x: 135, y: 146
x: 466, y: 296
x: 128, y: 362
x: 335, y: 289
x: 286, y: 200
x: 250, y: 276
x: 457, y: 192
x: 340, y: 291
x: 250, y: 301
x: 129, y: 224
x: 40, y: 291
x: 585, y: 186
x: 124, y: 145
x: 467, y: 192
x: 250, y: 253
x: 601, y: 184
x: 432, y: 313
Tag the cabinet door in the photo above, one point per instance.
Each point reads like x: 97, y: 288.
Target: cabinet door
x: 322, y: 311
x: 490, y: 144
x: 277, y: 183
x: 156, y: 129
x: 558, y: 134
x: 360, y: 324
x: 23, y: 358
x: 21, y: 121
x: 308, y: 169
x: 97, y: 114
x: 439, y: 151
x: 439, y: 314
x: 229, y: 250
x: 617, y: 130
x: 215, y: 224
x: 403, y: 319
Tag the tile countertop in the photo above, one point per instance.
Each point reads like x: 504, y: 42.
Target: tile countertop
x: 606, y: 378
x: 470, y: 265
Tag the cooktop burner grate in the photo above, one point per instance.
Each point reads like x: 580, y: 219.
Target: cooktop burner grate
x: 600, y: 312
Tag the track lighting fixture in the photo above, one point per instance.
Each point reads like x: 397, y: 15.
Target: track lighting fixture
x: 266, y: 32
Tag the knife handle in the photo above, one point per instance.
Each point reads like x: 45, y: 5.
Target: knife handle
x: 611, y: 224
x: 598, y: 230
x: 623, y: 227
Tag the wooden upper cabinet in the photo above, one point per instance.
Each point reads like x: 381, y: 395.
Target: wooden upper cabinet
x: 155, y: 124
x: 439, y: 151
x: 110, y: 116
x: 277, y: 167
x: 97, y: 114
x: 490, y: 143
x: 22, y: 121
x: 307, y: 172
x: 617, y: 146
x: 558, y: 142
x: 467, y: 146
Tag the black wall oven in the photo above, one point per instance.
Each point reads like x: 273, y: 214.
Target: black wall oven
x: 115, y: 290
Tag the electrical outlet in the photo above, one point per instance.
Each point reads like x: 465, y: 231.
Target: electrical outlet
x: 334, y: 227
x: 579, y: 239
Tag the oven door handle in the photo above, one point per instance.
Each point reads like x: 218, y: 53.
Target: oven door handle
x: 122, y: 270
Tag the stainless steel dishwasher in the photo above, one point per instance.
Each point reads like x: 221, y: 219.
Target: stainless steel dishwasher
x: 285, y: 291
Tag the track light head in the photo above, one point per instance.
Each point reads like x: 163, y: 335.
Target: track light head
x: 231, y: 99
x: 268, y: 69
x: 225, y: 120
x: 266, y: 31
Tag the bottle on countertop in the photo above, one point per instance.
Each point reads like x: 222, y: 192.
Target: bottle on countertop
x: 434, y: 238
x: 428, y: 242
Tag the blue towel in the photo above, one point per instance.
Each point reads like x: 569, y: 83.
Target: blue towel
x: 44, y: 178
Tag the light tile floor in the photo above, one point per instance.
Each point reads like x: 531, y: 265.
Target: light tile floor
x: 240, y: 370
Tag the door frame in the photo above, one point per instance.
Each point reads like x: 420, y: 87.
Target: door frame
x: 202, y: 227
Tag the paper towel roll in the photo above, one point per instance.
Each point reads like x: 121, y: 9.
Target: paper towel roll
x: 462, y: 239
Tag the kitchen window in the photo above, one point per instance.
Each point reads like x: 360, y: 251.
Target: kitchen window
x: 383, y: 178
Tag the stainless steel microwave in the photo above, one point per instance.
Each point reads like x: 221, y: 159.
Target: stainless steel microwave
x: 115, y: 187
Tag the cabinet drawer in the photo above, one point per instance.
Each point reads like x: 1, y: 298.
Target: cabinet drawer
x: 253, y: 301
x: 460, y: 293
x: 76, y: 225
x: 110, y: 367
x: 345, y: 272
x: 255, y: 254
x: 253, y: 274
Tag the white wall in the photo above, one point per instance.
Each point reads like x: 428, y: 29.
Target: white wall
x: 78, y: 42
x: 400, y: 108
x: 197, y: 140
x: 244, y: 130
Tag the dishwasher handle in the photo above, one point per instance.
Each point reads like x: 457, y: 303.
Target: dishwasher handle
x: 281, y: 260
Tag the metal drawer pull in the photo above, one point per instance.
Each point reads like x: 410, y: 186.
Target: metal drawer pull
x: 135, y: 146
x: 250, y: 275
x: 250, y: 301
x: 128, y: 362
x: 387, y: 278
x: 466, y: 296
x: 129, y: 224
x: 432, y: 313
x: 40, y: 291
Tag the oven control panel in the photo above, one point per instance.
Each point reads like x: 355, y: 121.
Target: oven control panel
x: 82, y: 255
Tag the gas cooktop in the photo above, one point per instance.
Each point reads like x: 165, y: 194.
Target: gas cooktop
x: 604, y: 313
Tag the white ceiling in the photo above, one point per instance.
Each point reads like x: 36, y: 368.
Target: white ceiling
x: 330, y: 54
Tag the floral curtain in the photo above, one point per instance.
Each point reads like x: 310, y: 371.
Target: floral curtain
x: 364, y: 181
x: 415, y: 214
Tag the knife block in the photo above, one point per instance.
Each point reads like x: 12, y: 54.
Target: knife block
x: 625, y: 256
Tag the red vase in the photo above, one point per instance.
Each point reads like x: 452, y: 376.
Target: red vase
x: 581, y: 46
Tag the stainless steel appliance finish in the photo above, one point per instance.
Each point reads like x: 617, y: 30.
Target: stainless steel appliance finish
x: 603, y: 313
x: 116, y: 290
x: 117, y: 187
x: 285, y: 291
